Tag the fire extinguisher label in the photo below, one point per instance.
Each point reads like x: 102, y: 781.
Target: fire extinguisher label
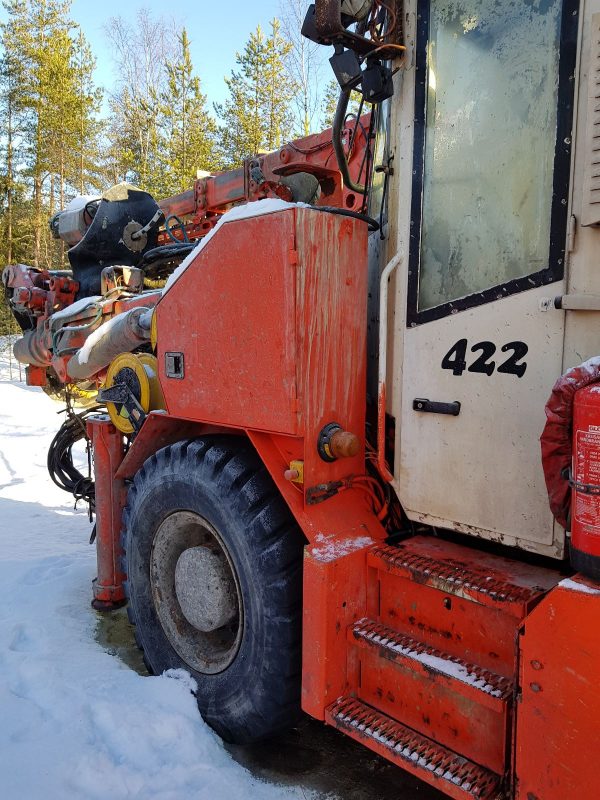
x: 587, y: 472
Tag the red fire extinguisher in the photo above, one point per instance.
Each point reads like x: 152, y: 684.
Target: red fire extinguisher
x: 585, y: 483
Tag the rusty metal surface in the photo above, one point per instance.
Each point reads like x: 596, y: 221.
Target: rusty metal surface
x: 457, y: 777
x: 108, y: 450
x: 240, y: 349
x: 281, y: 350
x: 331, y: 329
x: 558, y: 717
x: 327, y: 18
x: 454, y: 703
x: 479, y: 576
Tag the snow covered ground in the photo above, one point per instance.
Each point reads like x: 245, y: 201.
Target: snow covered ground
x: 75, y: 722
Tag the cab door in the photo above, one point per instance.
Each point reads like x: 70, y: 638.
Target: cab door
x: 488, y: 221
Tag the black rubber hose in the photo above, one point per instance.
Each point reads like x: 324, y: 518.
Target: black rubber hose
x: 344, y: 212
x: 168, y: 251
x: 60, y: 459
x: 338, y: 147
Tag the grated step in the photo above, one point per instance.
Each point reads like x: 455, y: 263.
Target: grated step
x: 400, y: 646
x: 483, y: 578
x: 446, y: 770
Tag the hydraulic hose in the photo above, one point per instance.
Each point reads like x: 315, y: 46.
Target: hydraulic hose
x: 338, y: 147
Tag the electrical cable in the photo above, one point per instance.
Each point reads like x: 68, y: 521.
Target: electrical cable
x: 344, y: 212
x: 168, y: 251
x: 338, y: 125
x: 367, y: 164
x: 181, y: 225
x: 60, y: 464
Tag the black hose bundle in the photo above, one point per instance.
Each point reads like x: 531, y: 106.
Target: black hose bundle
x: 60, y: 459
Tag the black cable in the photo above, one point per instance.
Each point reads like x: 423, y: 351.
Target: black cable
x: 357, y: 123
x: 180, y: 225
x: 344, y: 212
x: 167, y: 251
x: 368, y: 163
x: 338, y: 125
x: 384, y: 195
x: 60, y: 459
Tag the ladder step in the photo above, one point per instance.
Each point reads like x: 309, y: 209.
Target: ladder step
x: 464, y: 572
x: 446, y: 770
x: 427, y: 658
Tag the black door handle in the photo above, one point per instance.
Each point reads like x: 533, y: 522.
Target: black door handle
x: 431, y: 407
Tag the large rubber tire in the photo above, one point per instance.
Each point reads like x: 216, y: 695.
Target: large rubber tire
x: 222, y: 479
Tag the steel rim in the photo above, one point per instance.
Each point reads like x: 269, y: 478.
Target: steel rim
x: 211, y: 651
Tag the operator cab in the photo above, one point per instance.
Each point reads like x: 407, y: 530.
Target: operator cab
x: 486, y: 220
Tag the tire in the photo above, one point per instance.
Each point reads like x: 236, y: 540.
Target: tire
x: 213, y: 499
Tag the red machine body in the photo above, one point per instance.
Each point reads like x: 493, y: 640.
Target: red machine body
x: 585, y: 501
x: 108, y: 455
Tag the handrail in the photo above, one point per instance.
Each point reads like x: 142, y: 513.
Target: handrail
x: 381, y: 391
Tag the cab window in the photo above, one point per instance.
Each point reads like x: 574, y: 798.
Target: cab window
x: 490, y: 77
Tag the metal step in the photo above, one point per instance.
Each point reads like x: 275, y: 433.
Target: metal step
x: 428, y: 659
x: 466, y: 572
x: 458, y: 704
x: 444, y: 769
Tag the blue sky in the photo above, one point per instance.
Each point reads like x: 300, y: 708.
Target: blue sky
x: 216, y: 30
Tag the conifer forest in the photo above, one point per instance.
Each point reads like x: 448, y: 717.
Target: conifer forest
x: 63, y: 135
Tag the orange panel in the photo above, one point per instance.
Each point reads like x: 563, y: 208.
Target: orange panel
x: 334, y: 597
x: 331, y: 322
x: 274, y: 331
x: 558, y: 718
x: 446, y: 710
x: 231, y: 314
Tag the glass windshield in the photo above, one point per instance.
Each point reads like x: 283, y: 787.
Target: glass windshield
x: 489, y: 144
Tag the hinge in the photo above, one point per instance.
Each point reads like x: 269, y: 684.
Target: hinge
x: 293, y: 257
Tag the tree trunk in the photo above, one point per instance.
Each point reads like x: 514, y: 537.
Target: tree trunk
x: 37, y: 205
x: 9, y: 179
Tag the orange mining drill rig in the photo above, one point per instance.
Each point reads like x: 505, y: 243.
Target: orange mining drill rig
x: 318, y: 485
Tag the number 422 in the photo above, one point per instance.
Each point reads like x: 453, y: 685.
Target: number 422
x: 456, y: 358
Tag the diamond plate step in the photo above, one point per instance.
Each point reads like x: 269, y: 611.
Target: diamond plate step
x: 429, y: 659
x: 444, y: 769
x: 465, y: 572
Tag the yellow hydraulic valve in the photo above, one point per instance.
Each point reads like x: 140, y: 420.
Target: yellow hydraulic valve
x: 138, y: 372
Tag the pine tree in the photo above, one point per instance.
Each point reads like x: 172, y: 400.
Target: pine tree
x: 303, y: 66
x: 11, y: 105
x: 188, y: 129
x: 85, y: 174
x: 257, y: 115
x: 48, y: 108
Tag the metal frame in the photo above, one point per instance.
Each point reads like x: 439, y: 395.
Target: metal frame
x: 562, y: 162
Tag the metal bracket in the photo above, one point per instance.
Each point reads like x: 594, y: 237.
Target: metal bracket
x: 322, y: 491
x: 583, y: 488
x: 122, y: 395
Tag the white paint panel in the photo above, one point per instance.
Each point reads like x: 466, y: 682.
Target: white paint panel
x: 482, y: 470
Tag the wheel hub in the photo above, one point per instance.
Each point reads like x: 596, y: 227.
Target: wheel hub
x: 196, y: 592
x: 205, y: 588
